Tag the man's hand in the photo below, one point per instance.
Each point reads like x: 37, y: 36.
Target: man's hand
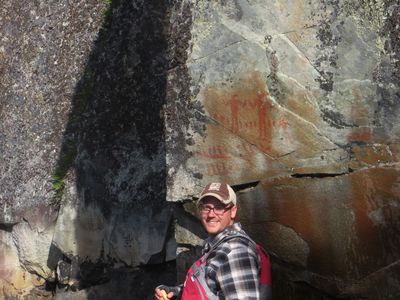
x: 162, y: 294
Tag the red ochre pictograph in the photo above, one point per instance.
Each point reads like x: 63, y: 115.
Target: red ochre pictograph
x: 246, y: 110
x: 244, y: 114
x: 222, y: 158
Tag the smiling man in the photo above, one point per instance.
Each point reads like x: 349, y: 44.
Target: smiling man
x: 230, y: 266
x: 217, y: 206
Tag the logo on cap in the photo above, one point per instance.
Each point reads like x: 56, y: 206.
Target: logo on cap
x: 214, y: 186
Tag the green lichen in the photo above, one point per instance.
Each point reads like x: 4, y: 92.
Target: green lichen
x: 107, y: 10
x: 65, y: 161
x: 368, y: 13
x: 58, y: 186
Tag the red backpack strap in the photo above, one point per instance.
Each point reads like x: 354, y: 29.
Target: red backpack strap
x: 265, y: 265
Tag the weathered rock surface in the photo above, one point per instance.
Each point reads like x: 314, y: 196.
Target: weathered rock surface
x: 14, y: 280
x: 82, y: 140
x: 300, y: 101
x: 114, y: 115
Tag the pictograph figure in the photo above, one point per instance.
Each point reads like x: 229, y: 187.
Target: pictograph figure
x: 264, y: 123
x: 234, y: 103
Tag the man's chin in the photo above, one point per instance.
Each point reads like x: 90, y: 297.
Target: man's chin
x: 212, y: 229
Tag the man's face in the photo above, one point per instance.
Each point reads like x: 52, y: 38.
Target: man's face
x: 213, y: 222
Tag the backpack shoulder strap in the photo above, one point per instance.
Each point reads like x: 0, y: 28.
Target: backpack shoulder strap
x: 231, y: 236
x: 265, y: 265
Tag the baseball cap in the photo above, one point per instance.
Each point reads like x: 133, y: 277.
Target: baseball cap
x: 220, y: 190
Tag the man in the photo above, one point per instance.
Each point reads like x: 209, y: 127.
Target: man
x: 230, y: 265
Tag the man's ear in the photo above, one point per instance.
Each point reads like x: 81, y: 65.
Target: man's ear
x: 233, y: 212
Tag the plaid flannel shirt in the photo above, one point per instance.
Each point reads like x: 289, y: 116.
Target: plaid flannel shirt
x: 232, y: 268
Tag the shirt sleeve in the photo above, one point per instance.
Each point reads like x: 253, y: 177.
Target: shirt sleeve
x: 238, y: 271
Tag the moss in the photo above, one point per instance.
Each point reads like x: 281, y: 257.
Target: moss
x: 58, y: 186
x: 65, y: 161
x: 107, y: 10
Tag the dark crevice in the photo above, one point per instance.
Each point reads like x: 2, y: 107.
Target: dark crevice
x: 7, y: 227
x: 245, y: 186
x: 319, y: 175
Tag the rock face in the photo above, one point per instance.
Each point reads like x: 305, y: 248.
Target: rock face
x: 82, y: 141
x: 114, y: 115
x: 296, y: 103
